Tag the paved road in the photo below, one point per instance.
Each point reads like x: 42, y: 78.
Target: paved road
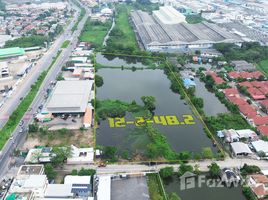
x: 17, y: 137
x: 137, y: 168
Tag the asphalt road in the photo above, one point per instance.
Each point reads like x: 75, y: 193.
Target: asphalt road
x: 141, y: 168
x: 18, y: 137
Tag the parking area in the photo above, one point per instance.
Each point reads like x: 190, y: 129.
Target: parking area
x: 72, y: 122
x: 131, y: 188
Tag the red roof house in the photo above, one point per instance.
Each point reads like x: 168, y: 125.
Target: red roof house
x: 247, y: 110
x: 263, y: 130
x: 218, y: 80
x: 256, y: 94
x: 260, y: 120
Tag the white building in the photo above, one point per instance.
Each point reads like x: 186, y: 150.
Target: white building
x: 240, y: 148
x: 104, y: 188
x: 168, y: 15
x: 70, y: 97
x: 260, y: 146
x: 81, y: 155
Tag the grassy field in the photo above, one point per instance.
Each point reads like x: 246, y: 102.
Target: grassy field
x: 17, y: 115
x: 156, y: 191
x: 94, y: 32
x: 263, y: 66
x: 62, y: 137
x: 122, y: 37
x: 122, y: 23
x: 65, y: 44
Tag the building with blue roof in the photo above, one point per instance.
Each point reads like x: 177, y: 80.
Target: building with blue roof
x: 187, y: 82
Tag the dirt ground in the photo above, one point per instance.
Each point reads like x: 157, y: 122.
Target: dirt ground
x: 56, y: 138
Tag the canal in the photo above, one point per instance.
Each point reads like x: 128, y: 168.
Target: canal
x: 207, y: 191
x: 126, y: 85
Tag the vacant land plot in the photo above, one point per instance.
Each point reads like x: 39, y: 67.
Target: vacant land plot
x: 94, y: 32
x: 61, y: 137
x: 122, y: 37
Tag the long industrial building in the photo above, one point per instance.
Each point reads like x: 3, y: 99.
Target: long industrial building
x: 156, y: 35
x: 70, y: 97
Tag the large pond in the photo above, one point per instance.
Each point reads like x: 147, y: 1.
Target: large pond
x: 126, y: 85
x: 212, y: 105
x: 206, y: 191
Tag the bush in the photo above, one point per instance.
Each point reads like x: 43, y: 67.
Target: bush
x: 98, y: 80
x: 166, y: 172
x: 249, y: 169
x: 214, y: 170
x: 86, y: 172
x: 49, y: 171
x: 185, y: 168
x: 248, y: 193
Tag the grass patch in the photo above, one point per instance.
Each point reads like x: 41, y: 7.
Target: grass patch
x: 156, y: 190
x: 115, y: 108
x: 61, y: 137
x: 227, y: 121
x: 94, y: 32
x: 17, y: 115
x: 263, y: 66
x: 122, y: 37
x: 82, y: 14
x: 65, y: 44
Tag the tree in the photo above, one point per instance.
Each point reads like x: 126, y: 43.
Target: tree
x: 49, y: 171
x: 185, y: 168
x: 109, y: 153
x: 149, y: 102
x: 59, y: 155
x: 214, y: 170
x: 248, y: 193
x: 207, y: 153
x: 33, y: 128
x: 166, y: 172
x: 174, y: 196
x: 86, y: 172
x: 198, y: 102
x: 98, y: 80
x: 249, y: 169
x: 74, y: 172
x: 197, y: 52
x: 261, y: 154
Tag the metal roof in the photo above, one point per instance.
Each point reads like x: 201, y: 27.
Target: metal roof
x: 14, y: 51
x: 240, y: 147
x: 152, y: 32
x: 70, y: 96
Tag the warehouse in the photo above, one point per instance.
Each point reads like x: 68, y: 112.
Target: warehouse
x: 168, y: 15
x: 70, y: 97
x: 157, y: 36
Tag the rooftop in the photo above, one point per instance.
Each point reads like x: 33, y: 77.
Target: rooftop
x: 240, y: 148
x: 58, y: 191
x: 104, y: 188
x: 14, y: 51
x: 70, y: 97
x: 31, y: 170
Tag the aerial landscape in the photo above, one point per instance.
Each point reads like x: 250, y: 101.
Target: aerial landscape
x: 134, y: 99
